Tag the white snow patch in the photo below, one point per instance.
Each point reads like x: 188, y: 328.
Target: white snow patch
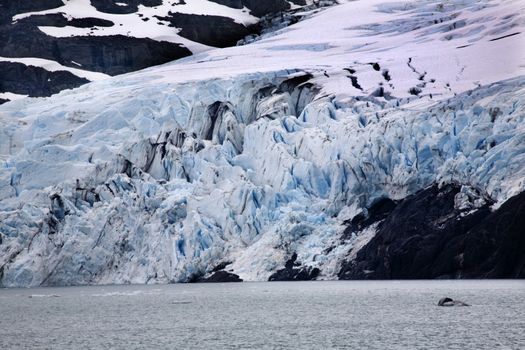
x: 11, y: 96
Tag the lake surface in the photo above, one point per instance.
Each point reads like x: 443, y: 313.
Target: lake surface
x: 266, y: 315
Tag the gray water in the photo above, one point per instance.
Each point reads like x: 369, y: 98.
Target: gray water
x: 278, y: 315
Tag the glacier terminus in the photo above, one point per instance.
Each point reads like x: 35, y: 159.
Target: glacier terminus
x: 372, y: 139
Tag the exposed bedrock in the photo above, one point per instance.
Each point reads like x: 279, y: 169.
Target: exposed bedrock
x: 122, y: 7
x: 293, y: 271
x: 429, y: 235
x: 35, y: 81
x: 215, y: 31
x: 61, y: 20
x: 220, y: 276
x: 259, y: 8
x: 10, y: 8
x: 112, y: 55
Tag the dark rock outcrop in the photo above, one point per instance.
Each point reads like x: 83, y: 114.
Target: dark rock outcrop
x: 377, y: 212
x: 234, y: 4
x: 424, y: 236
x: 35, y: 81
x: 214, y: 31
x: 260, y: 8
x: 257, y: 8
x: 293, y: 271
x: 10, y: 8
x: 60, y: 20
x: 112, y: 55
x: 116, y: 6
x: 221, y: 276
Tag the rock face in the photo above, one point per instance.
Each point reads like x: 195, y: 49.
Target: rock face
x: 122, y: 7
x: 35, y: 81
x: 115, y: 54
x: 293, y: 271
x: 10, y: 8
x: 260, y: 8
x: 214, y: 31
x: 427, y: 236
x: 221, y: 276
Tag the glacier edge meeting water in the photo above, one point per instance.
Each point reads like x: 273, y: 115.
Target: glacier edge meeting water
x: 175, y: 185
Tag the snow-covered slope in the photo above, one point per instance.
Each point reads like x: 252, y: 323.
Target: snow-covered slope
x: 49, y: 45
x: 247, y: 157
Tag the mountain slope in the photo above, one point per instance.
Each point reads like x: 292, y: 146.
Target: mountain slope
x: 293, y: 153
x: 112, y: 37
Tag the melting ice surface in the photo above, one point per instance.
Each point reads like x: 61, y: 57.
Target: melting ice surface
x: 245, y: 155
x: 277, y: 315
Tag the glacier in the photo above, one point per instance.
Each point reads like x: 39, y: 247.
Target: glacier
x: 241, y: 157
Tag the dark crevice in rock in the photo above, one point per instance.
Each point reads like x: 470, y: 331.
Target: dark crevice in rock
x: 425, y: 236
